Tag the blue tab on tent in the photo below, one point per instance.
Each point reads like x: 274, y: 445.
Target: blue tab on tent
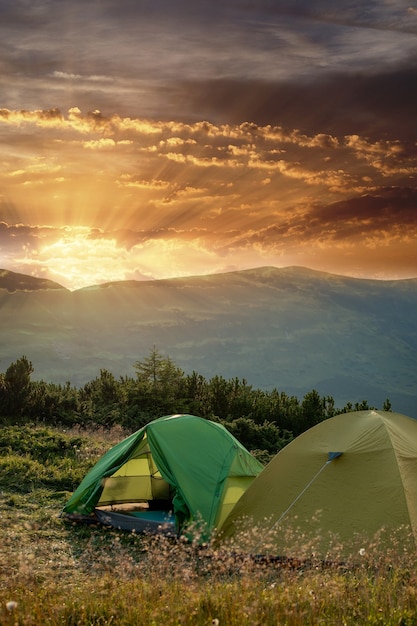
x: 333, y: 455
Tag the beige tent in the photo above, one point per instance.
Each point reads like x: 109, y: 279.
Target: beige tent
x: 338, y: 484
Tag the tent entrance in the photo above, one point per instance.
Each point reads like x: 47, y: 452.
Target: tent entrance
x: 138, y: 485
x: 137, y: 498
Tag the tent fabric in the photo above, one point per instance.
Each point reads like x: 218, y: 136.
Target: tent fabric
x: 309, y: 490
x: 194, y: 463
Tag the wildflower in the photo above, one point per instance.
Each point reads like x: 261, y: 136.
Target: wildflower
x: 11, y: 605
x: 362, y: 551
x: 215, y: 622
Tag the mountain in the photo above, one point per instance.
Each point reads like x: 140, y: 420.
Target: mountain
x: 12, y: 281
x: 291, y: 328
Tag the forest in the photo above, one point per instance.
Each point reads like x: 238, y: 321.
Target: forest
x: 263, y: 421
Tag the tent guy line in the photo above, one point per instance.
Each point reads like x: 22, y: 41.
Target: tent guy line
x: 300, y: 495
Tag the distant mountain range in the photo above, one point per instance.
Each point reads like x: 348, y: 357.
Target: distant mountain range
x: 291, y: 328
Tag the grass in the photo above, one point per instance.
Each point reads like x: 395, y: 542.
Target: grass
x: 57, y: 573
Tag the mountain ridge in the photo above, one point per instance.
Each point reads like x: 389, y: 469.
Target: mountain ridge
x: 14, y: 281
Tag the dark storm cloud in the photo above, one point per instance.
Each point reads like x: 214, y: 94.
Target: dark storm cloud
x: 386, y: 210
x: 375, y: 105
x: 212, y: 60
x: 391, y: 214
x: 16, y: 237
x: 394, y: 16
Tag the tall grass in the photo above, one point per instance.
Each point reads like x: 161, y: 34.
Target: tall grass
x: 58, y: 573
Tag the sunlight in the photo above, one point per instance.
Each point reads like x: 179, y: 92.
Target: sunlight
x: 77, y: 261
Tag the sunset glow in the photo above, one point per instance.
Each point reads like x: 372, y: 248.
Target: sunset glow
x: 223, y: 140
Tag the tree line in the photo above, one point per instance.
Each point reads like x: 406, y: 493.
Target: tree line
x: 262, y: 420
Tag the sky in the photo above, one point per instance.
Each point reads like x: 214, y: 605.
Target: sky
x: 149, y: 139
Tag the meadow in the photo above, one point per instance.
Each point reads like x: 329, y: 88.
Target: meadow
x: 55, y: 572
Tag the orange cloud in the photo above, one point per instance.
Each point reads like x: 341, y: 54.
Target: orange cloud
x: 261, y: 190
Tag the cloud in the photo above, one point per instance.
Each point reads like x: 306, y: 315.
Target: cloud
x: 171, y: 162
x: 18, y: 241
x: 370, y: 103
x: 259, y: 61
x: 128, y: 180
x: 389, y: 210
x: 94, y: 78
x: 255, y: 132
x: 99, y: 144
x: 49, y: 117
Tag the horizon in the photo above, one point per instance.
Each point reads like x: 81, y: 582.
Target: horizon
x: 184, y: 277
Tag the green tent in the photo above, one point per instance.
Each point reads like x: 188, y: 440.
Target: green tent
x: 175, y: 470
x: 337, y: 486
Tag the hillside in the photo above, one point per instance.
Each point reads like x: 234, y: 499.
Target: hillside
x: 291, y: 328
x: 12, y: 281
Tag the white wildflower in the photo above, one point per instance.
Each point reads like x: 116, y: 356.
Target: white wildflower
x: 11, y: 605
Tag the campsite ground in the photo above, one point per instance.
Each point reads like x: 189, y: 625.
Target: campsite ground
x: 53, y: 572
